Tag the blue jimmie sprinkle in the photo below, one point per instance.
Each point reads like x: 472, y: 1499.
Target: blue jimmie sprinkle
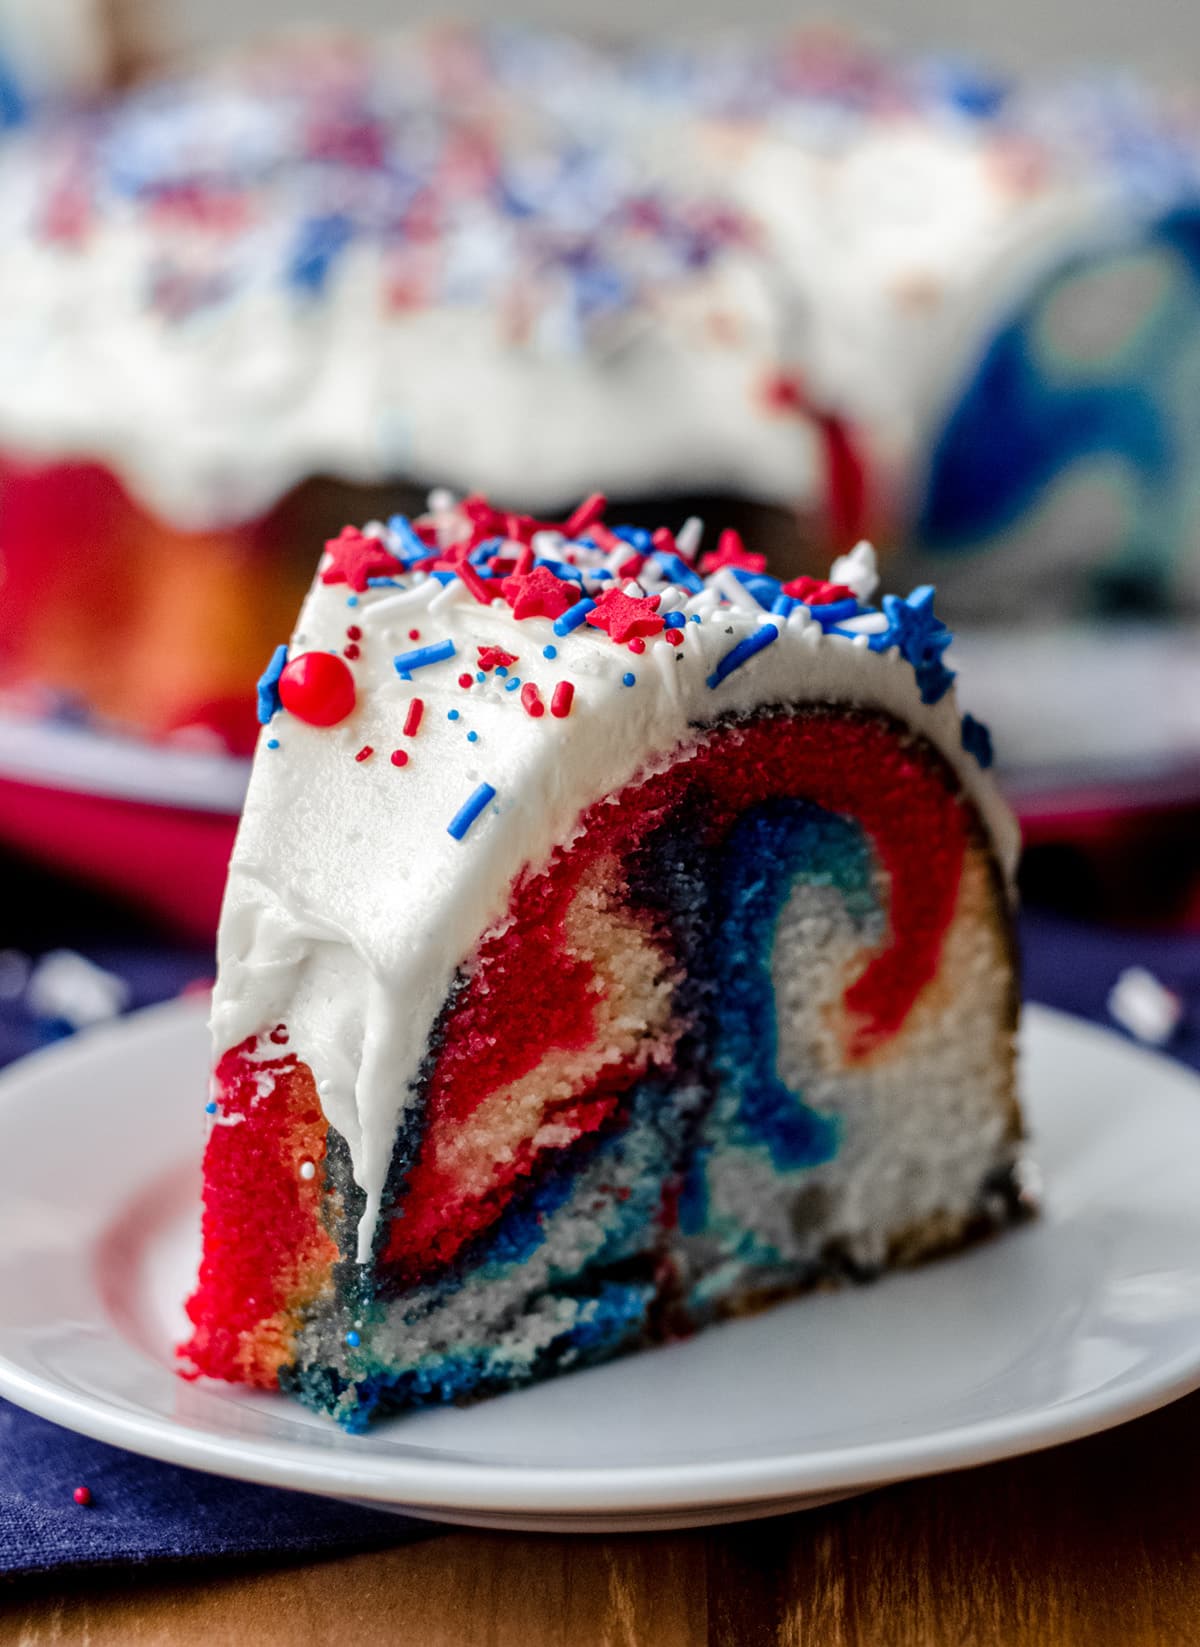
x: 637, y: 536
x: 384, y: 583
x: 561, y: 569
x: 318, y: 245
x: 833, y: 612
x: 673, y: 620
x: 511, y: 686
x: 549, y: 651
x: 743, y: 652
x: 766, y: 590
x: 353, y: 1339
x: 977, y: 740
x: 268, y: 685
x: 470, y: 810
x: 628, y: 678
x: 573, y: 616
x: 472, y: 737
x: 784, y: 605
x: 443, y: 577
x: 677, y: 570
x: 422, y: 655
x: 272, y: 743
x: 410, y: 546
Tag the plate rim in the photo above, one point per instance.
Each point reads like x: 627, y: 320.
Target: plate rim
x: 583, y: 1491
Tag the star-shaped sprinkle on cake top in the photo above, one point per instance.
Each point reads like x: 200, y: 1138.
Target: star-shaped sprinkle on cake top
x: 921, y: 637
x: 539, y: 594
x: 354, y: 558
x: 626, y: 617
x: 816, y: 592
x: 731, y: 551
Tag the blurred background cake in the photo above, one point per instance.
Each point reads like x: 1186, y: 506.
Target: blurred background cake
x: 794, y: 281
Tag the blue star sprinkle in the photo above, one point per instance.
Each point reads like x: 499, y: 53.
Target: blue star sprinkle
x: 268, y: 686
x: 921, y: 637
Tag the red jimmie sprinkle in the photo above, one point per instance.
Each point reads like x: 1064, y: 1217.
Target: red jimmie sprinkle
x: 589, y: 511
x: 531, y: 700
x: 399, y: 757
x: 562, y: 698
x: 412, y: 721
x: 483, y: 592
x: 365, y: 753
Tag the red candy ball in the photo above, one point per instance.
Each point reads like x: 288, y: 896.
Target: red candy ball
x: 318, y: 688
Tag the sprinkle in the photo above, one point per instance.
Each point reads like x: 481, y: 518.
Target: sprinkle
x: 637, y: 644
x: 472, y: 737
x: 531, y: 700
x: 674, y: 620
x: 512, y: 683
x: 495, y: 657
x: 411, y: 722
x: 470, y: 810
x: 466, y: 680
x: 268, y: 685
x: 317, y: 688
x: 588, y: 512
x: 977, y: 740
x: 475, y: 583
x: 351, y: 651
x: 549, y: 651
x: 351, y: 600
x: 422, y: 656
x: 453, y: 715
x: 353, y: 1339
x: 562, y: 698
x: 573, y: 616
x: 399, y: 757
x: 272, y: 743
x: 480, y: 676
x: 501, y: 670
x: 82, y: 1495
x: 414, y: 634
x: 357, y: 559
x: 675, y: 636
x: 743, y: 652
x: 628, y: 678
x: 211, y: 1107
x: 354, y: 632
x: 308, y: 1171
x: 365, y: 753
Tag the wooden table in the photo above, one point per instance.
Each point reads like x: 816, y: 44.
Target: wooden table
x: 1094, y: 1544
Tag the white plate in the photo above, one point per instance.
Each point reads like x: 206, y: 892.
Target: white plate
x: 1089, y: 1316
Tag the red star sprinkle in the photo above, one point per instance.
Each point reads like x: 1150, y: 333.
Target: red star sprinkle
x: 731, y: 551
x: 625, y: 617
x: 539, y: 594
x: 815, y: 592
x: 355, y: 558
x: 495, y: 657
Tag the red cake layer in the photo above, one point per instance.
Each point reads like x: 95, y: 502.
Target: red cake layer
x: 526, y: 993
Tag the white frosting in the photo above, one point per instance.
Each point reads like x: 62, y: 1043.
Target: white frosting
x: 873, y: 249
x: 349, y: 907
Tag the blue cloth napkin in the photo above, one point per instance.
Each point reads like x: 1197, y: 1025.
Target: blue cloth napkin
x: 143, y: 1511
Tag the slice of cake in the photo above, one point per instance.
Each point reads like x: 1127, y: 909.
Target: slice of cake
x: 616, y: 939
